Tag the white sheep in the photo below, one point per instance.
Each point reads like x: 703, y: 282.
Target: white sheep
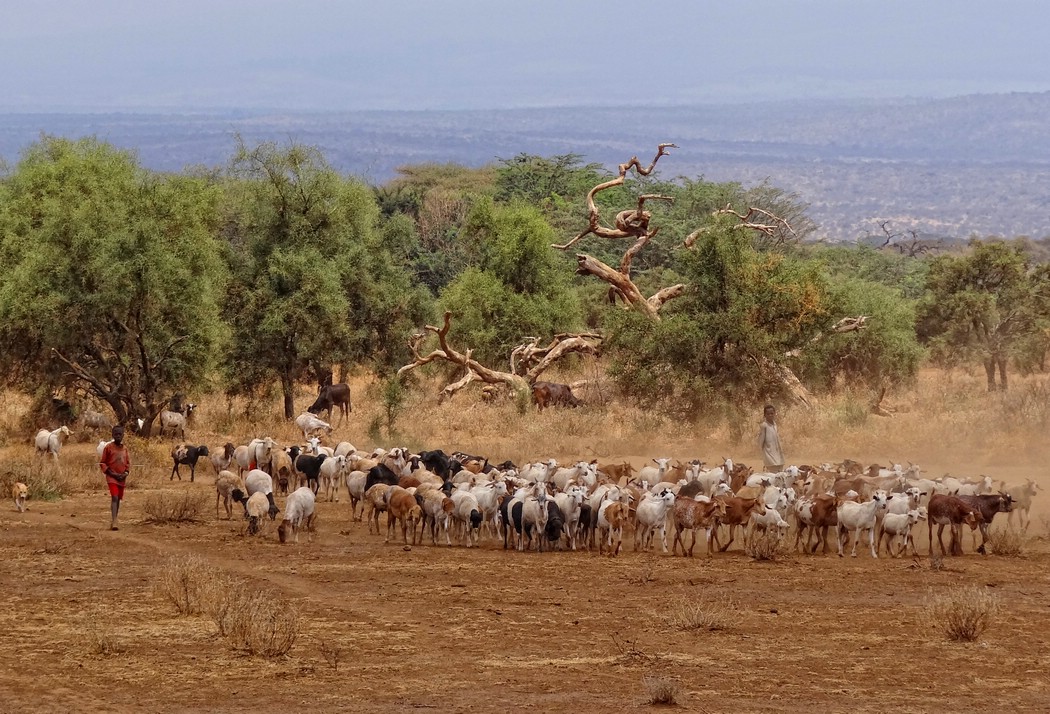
x: 308, y: 424
x: 258, y: 481
x: 256, y: 506
x: 225, y: 484
x: 50, y: 442
x: 173, y: 422
x: 331, y: 474
x: 298, y: 511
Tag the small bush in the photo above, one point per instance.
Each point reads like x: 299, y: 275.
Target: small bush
x: 1006, y: 541
x: 263, y: 624
x: 661, y: 690
x: 175, y: 506
x: 186, y: 582
x: 691, y: 616
x: 963, y: 613
x: 104, y: 644
x: 765, y: 547
x: 332, y: 654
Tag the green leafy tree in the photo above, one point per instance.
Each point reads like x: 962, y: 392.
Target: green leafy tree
x: 312, y: 282
x: 518, y: 288
x: 112, y: 276
x: 984, y: 305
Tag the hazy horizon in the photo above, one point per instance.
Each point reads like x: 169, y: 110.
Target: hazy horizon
x: 327, y: 56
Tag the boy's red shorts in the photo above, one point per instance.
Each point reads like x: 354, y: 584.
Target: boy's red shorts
x: 116, y: 488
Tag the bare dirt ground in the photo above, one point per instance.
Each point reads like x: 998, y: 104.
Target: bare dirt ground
x: 452, y: 629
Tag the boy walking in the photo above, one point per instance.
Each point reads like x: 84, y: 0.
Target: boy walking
x: 115, y: 464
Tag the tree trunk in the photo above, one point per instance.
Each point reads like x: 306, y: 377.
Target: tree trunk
x: 288, y: 387
x: 989, y: 370
x: 1001, y: 360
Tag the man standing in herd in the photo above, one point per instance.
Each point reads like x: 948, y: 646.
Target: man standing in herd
x: 115, y: 464
x: 769, y: 441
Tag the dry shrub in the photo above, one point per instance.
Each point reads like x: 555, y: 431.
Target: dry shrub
x: 186, y: 582
x: 661, y: 690
x: 963, y: 613
x: 1006, y: 541
x: 175, y: 506
x: 332, y: 654
x: 692, y: 615
x: 262, y: 623
x: 104, y: 644
x: 765, y: 547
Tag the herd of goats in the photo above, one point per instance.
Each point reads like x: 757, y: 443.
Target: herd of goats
x: 543, y: 505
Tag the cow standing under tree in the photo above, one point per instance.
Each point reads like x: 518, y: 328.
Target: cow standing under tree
x: 546, y: 394
x: 332, y: 395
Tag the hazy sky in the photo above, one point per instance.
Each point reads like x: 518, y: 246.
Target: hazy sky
x: 475, y: 54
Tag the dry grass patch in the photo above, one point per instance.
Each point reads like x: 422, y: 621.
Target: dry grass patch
x: 963, y: 613
x: 1006, y: 541
x: 765, y: 547
x: 661, y: 690
x: 262, y: 623
x: 694, y: 615
x: 175, y: 506
x: 104, y: 644
x: 186, y: 582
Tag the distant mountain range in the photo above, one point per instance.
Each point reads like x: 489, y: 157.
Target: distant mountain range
x: 972, y: 165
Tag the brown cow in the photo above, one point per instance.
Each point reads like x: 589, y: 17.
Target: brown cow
x: 546, y: 394
x: 332, y: 395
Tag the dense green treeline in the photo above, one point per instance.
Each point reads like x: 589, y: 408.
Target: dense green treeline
x: 130, y: 285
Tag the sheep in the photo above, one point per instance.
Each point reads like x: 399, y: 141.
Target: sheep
x: 225, y: 483
x: 402, y: 506
x: 309, y: 470
x: 298, y: 511
x: 355, y: 489
x: 344, y: 448
x: 332, y: 471
x: 173, y: 422
x: 20, y: 492
x: 652, y: 515
x: 437, y: 510
x: 467, y: 515
x: 281, y: 468
x: 488, y: 496
x: 533, y: 518
x: 186, y: 454
x: 375, y: 503
x: 50, y: 442
x: 258, y: 481
x: 102, y: 446
x: 221, y: 461
x: 308, y: 424
x: 255, y: 507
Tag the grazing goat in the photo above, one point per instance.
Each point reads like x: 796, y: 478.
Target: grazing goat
x: 309, y: 469
x: 186, y: 454
x: 375, y: 503
x: 298, y: 512
x: 173, y: 422
x: 221, y: 461
x: 817, y: 514
x: 90, y: 419
x: 690, y: 514
x: 546, y: 394
x: 50, y: 442
x: 255, y: 507
x: 737, y: 512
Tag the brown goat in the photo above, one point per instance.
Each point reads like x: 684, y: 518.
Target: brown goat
x: 949, y: 510
x: 689, y: 515
x: 402, y: 506
x: 736, y: 512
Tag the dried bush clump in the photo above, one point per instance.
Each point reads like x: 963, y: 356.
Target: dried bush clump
x: 186, y: 582
x: 766, y: 547
x: 963, y: 613
x: 692, y: 616
x: 263, y: 624
x: 661, y: 690
x: 104, y: 644
x: 175, y: 507
x: 1006, y: 541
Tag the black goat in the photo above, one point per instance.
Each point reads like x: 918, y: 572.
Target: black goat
x: 186, y: 454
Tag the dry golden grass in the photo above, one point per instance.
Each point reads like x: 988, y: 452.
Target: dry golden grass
x: 661, y: 690
x: 175, y: 506
x: 963, y: 613
x: 696, y: 615
x: 766, y: 546
x: 185, y: 581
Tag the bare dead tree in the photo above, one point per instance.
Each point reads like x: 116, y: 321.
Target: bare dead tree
x: 528, y: 361
x: 777, y: 230
x: 906, y: 242
x: 630, y: 223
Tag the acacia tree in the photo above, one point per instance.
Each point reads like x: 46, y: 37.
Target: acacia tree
x: 311, y: 283
x: 983, y: 304
x: 112, y: 277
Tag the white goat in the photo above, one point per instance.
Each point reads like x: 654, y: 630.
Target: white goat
x: 50, y: 442
x: 856, y: 517
x: 309, y: 423
x: 652, y: 516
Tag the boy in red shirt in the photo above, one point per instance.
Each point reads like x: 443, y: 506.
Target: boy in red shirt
x: 115, y: 464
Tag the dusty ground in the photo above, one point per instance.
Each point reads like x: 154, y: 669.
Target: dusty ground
x: 452, y: 629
